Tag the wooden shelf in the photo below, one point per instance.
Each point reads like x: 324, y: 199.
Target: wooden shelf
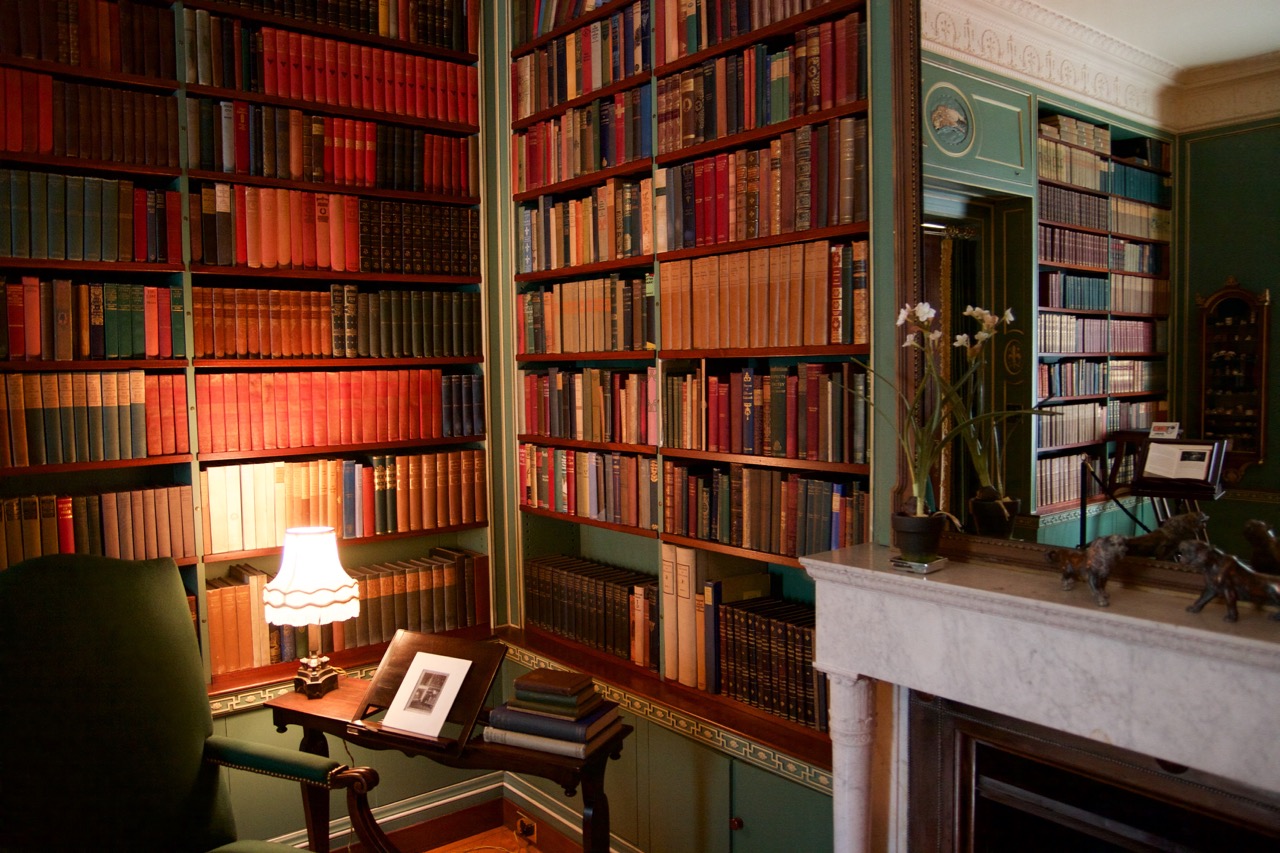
x: 111, y: 168
x: 339, y: 33
x: 830, y: 232
x: 564, y: 106
x: 1073, y: 187
x: 331, y: 275
x: 340, y: 189
x: 719, y: 548
x: 821, y: 350
x: 587, y: 270
x: 1071, y: 226
x: 157, y: 365
x: 622, y: 355
x: 641, y: 167
x: 96, y: 76
x: 604, y: 10
x: 768, y: 461
x: 717, y: 711
x: 77, y: 467
x: 231, y: 556
x: 587, y: 520
x: 579, y: 444
x: 131, y: 267
x: 738, y: 140
x: 338, y: 449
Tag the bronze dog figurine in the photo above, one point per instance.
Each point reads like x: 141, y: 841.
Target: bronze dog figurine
x: 1094, y: 564
x: 1162, y: 543
x: 1266, y: 548
x: 1226, y: 576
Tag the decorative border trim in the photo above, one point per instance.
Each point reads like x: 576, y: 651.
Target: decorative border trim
x: 221, y: 704
x: 696, y: 728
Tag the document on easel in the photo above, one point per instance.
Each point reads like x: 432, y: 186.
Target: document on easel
x: 426, y: 694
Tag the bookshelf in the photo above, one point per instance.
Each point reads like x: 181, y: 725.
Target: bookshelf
x: 636, y: 349
x: 261, y: 231
x: 1104, y: 232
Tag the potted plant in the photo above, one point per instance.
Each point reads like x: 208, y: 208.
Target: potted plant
x: 938, y: 410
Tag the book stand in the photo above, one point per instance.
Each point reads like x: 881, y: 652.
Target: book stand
x: 1171, y: 495
x: 485, y: 659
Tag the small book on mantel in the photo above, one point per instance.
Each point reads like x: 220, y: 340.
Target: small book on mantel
x: 556, y: 746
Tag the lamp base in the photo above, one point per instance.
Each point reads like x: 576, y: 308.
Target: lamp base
x: 315, y: 677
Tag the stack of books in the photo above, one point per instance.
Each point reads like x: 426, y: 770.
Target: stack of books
x: 554, y: 711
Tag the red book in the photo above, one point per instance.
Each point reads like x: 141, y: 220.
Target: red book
x: 472, y: 78
x: 722, y: 197
x: 370, y: 152
x: 401, y: 426
x: 164, y: 406
x: 330, y: 73
x: 401, y: 90
x: 256, y: 425
x: 351, y: 205
x: 377, y: 87
x: 700, y: 199
x: 292, y: 402
x: 368, y: 58
x: 270, y: 86
x: 421, y: 92
x: 722, y: 425
x: 382, y: 405
x: 295, y: 66
x: 330, y: 125
x: 793, y: 417
x: 309, y: 230
x: 343, y: 96
x: 366, y: 498
x: 347, y: 430
x: 151, y: 392
x: 14, y: 298
x: 451, y: 82
x: 307, y: 50
x: 319, y: 409
x: 826, y: 54
x: 204, y: 409
x: 151, y: 321
x: 31, y: 317
x: 274, y: 435
x: 335, y: 147
x: 300, y: 398
x: 30, y: 112
x: 296, y: 204
x: 435, y: 401
x: 240, y: 111
x: 66, y: 526
x: 333, y: 410
x: 368, y: 407
x: 140, y: 224
x: 388, y: 59
x: 439, y: 85
x: 13, y: 109
x: 173, y: 225
x: 217, y: 406
x: 44, y: 114
x: 181, y: 434
x: 238, y: 210
x: 230, y: 412
x: 713, y: 414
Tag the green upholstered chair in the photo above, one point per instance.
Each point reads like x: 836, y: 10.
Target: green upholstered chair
x: 106, y: 739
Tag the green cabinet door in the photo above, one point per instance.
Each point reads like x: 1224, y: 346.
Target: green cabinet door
x: 777, y: 815
x: 688, y: 795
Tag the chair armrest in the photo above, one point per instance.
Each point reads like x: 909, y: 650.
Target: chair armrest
x: 287, y: 763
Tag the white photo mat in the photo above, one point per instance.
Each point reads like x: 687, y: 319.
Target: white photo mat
x: 426, y: 694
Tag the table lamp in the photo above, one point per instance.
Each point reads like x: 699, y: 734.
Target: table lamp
x: 311, y: 589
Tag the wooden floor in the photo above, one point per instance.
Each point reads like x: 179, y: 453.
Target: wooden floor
x: 500, y: 839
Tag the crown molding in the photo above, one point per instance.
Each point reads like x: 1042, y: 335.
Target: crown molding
x: 1022, y: 40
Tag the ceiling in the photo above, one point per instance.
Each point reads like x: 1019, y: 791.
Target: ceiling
x: 1183, y: 33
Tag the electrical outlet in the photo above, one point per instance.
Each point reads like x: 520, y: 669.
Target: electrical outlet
x: 526, y: 829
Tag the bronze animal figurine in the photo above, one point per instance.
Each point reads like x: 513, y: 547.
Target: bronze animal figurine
x: 1266, y: 548
x: 1094, y: 564
x: 1162, y: 543
x: 1226, y: 576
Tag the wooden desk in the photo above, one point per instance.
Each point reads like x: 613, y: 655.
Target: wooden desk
x: 332, y: 714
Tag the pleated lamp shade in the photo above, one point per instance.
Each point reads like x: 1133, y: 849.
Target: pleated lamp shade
x: 311, y: 587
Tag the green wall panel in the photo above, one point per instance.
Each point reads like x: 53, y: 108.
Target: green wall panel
x: 688, y: 796
x: 777, y: 815
x: 976, y: 132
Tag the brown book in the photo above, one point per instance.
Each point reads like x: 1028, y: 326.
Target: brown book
x: 555, y: 682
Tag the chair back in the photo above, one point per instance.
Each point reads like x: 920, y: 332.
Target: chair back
x: 104, y: 711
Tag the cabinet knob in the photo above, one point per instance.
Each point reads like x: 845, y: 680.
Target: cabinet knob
x: 735, y: 823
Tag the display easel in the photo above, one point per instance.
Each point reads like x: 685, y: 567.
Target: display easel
x: 462, y: 716
x: 1173, y: 495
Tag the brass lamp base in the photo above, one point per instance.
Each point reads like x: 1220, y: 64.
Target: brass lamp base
x: 315, y: 677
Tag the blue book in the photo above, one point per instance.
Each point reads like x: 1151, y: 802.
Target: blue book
x: 646, y: 129
x: 350, y: 504
x: 75, y: 218
x: 93, y: 219
x: 39, y: 206
x: 57, y: 217
x: 562, y: 728
x: 20, y: 205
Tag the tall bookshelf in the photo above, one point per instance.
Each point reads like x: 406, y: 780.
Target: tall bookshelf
x: 299, y: 309
x: 734, y: 302
x: 1104, y: 231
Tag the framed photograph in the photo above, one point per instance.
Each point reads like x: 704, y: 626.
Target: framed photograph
x: 421, y: 705
x: 1180, y: 467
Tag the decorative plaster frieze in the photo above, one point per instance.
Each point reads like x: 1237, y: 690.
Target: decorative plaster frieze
x: 1022, y: 40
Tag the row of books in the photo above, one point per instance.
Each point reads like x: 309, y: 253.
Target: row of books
x: 294, y: 409
x: 121, y: 36
x: 614, y: 314
x: 58, y: 320
x: 591, y: 404
x: 1141, y: 184
x: 44, y: 115
x: 554, y: 711
x: 276, y: 142
x: 759, y: 86
x: 1074, y: 423
x: 1063, y: 246
x: 270, y: 228
x: 812, y: 177
x: 1122, y: 293
x: 1058, y: 480
x: 612, y: 221
x: 59, y: 418
x: 797, y: 294
x: 1131, y: 256
x: 427, y: 22
x: 583, y: 140
x: 766, y: 510
x: 1077, y: 132
x: 1065, y: 333
x: 585, y: 60
x: 343, y: 322
x: 619, y: 488
x: 436, y: 592
x: 593, y: 603
x: 78, y: 218
x: 766, y: 659
x: 1089, y: 378
x: 137, y: 524
x: 688, y: 26
x: 1059, y: 204
x: 1135, y: 414
x: 804, y: 411
x: 1068, y: 165
x: 252, y: 505
x: 228, y: 54
x: 1140, y: 219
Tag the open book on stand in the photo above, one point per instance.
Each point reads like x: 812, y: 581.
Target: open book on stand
x: 430, y: 688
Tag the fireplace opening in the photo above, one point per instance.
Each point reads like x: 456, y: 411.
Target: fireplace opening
x: 981, y: 781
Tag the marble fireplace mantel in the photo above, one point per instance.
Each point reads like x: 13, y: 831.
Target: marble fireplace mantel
x: 1142, y: 674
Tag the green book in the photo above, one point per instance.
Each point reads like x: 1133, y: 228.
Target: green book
x: 111, y: 204
x: 75, y: 218
x: 94, y: 504
x: 94, y: 415
x: 20, y: 204
x: 97, y: 332
x: 93, y: 219
x: 66, y: 416
x: 124, y: 412
x: 177, y: 313
x: 57, y: 217
x: 110, y: 417
x: 110, y: 319
x: 39, y: 210
x: 138, y: 413
x: 137, y: 346
x: 124, y: 243
x: 6, y: 218
x: 80, y: 415
x: 50, y: 408
x: 80, y: 523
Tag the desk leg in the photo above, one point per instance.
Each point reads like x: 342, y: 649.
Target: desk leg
x: 315, y: 799
x: 595, y: 807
